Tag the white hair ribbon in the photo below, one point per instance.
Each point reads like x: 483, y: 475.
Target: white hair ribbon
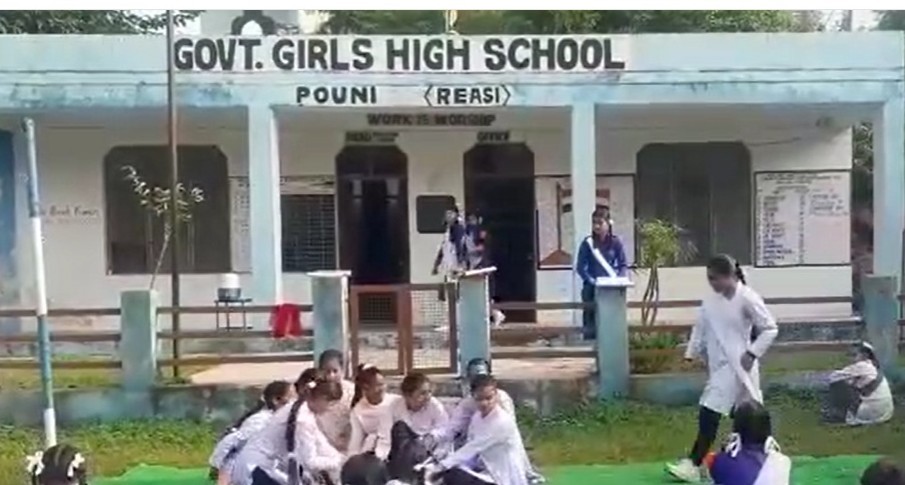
x: 77, y: 461
x: 34, y: 464
x: 735, y: 445
x: 368, y: 366
x: 311, y: 385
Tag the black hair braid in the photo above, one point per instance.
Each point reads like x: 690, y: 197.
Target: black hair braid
x: 739, y: 274
x: 272, y: 392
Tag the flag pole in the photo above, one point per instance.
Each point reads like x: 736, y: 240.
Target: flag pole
x: 37, y: 238
x: 175, y: 245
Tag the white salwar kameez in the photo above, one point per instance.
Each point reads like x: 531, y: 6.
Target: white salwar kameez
x: 878, y: 406
x: 226, y: 450
x: 495, y: 441
x: 334, y: 422
x: 372, y: 427
x: 721, y: 336
x: 268, y: 451
x: 430, y: 418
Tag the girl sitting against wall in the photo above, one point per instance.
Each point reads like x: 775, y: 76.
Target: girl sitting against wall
x: 371, y: 416
x: 415, y: 418
x: 859, y: 393
x: 335, y: 422
x: 291, y: 448
x: 276, y: 395
x: 58, y: 465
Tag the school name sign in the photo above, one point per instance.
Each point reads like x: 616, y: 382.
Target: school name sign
x: 416, y: 54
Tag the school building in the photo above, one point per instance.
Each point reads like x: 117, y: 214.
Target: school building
x: 342, y: 152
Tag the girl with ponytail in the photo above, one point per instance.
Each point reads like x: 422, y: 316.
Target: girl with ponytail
x: 291, y: 449
x: 275, y: 395
x: 733, y: 331
x: 372, y: 413
x: 57, y: 465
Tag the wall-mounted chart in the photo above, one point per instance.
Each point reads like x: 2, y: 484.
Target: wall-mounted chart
x: 803, y: 218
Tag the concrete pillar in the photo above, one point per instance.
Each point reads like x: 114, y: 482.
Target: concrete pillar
x: 330, y: 294
x: 881, y: 319
x: 474, y: 316
x: 583, y: 181
x: 889, y: 188
x: 264, y: 206
x: 613, y: 368
x: 138, y: 339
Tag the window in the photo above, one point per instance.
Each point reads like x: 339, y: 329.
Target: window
x: 135, y: 236
x: 309, y: 232
x: 705, y: 189
x: 430, y: 212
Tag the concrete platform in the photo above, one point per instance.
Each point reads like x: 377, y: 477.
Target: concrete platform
x: 510, y: 369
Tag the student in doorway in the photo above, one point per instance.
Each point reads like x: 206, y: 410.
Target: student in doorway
x: 276, y: 395
x: 600, y: 255
x: 452, y: 255
x: 335, y: 422
x: 493, y: 452
x: 752, y: 456
x: 859, y: 393
x: 733, y: 331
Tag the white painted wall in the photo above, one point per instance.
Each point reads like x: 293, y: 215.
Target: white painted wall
x: 70, y: 162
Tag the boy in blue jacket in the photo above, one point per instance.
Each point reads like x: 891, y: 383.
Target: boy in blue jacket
x: 600, y: 255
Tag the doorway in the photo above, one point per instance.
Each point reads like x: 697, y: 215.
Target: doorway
x: 499, y: 187
x: 372, y: 193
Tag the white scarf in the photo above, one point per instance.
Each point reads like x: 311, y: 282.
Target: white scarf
x: 607, y: 267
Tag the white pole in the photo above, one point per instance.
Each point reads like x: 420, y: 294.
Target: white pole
x: 37, y: 238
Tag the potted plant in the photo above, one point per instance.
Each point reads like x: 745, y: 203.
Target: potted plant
x: 661, y: 244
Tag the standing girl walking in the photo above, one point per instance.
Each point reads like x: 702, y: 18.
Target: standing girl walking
x: 733, y: 331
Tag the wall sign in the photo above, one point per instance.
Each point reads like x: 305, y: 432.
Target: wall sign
x: 431, y: 119
x: 336, y: 95
x: 802, y: 218
x: 467, y: 96
x: 371, y: 137
x: 581, y: 53
x: 494, y: 137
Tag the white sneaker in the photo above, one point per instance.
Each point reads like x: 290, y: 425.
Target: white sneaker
x: 497, y: 318
x: 684, y: 470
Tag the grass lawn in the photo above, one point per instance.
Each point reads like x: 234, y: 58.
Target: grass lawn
x: 81, y: 378
x: 621, y: 433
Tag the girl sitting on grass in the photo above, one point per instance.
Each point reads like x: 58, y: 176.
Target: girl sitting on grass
x: 58, y: 465
x: 752, y: 456
x: 276, y: 395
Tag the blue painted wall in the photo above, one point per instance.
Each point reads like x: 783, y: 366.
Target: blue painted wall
x: 9, y: 283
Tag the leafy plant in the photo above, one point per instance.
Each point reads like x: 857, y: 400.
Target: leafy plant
x: 661, y: 244
x: 156, y: 201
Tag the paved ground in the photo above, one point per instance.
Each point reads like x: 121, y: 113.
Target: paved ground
x: 257, y: 374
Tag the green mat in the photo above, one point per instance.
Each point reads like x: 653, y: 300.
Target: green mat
x: 840, y: 470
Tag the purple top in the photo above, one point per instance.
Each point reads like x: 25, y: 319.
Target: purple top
x: 741, y: 470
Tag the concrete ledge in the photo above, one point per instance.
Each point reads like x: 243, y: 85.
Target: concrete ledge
x: 224, y: 403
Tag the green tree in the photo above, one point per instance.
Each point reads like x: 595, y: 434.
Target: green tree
x: 88, y: 21
x: 477, y: 22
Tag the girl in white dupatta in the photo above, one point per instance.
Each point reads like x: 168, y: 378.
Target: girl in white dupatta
x: 276, y: 395
x: 752, y: 456
x: 859, y: 393
x: 734, y: 330
x: 493, y: 452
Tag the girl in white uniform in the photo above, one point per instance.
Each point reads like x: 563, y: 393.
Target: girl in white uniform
x: 372, y: 414
x: 733, y: 331
x: 859, y: 393
x: 276, y: 394
x: 335, y: 422
x: 291, y: 448
x: 493, y: 452
x: 415, y: 418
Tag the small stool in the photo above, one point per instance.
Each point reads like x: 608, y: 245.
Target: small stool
x: 227, y: 305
